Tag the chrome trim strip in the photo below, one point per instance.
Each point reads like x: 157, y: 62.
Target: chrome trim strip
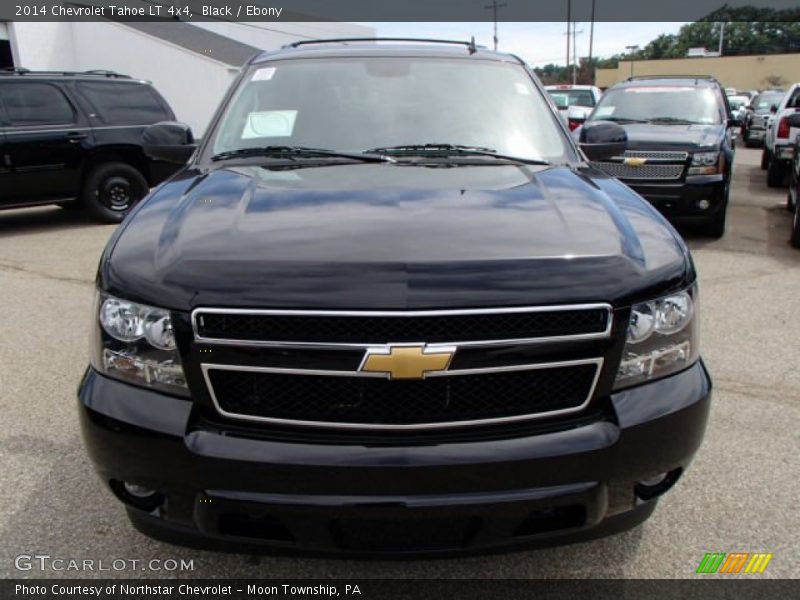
x: 413, y: 313
x: 598, y: 362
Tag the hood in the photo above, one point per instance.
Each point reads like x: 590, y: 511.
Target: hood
x: 393, y: 237
x: 647, y: 136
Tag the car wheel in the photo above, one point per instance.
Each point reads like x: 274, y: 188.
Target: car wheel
x: 775, y: 173
x: 795, y: 237
x: 764, y: 159
x: 714, y: 227
x: 111, y: 189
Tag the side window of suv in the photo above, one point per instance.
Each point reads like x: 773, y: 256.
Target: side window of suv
x: 35, y: 104
x: 125, y: 103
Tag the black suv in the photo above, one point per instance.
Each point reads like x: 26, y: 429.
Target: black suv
x: 383, y: 311
x: 74, y: 139
x: 762, y: 106
x: 680, y: 145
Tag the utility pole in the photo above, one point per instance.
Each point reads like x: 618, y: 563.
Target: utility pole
x: 494, y: 6
x: 721, y: 36
x: 632, y: 49
x: 591, y: 43
x: 575, y: 35
x: 569, y: 20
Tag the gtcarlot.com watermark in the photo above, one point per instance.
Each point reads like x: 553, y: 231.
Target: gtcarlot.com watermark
x: 45, y: 562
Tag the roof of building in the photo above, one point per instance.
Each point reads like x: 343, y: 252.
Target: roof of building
x: 196, y: 39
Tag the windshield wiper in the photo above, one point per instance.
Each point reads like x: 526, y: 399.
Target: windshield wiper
x: 620, y: 120
x: 294, y: 152
x: 452, y: 150
x: 673, y: 120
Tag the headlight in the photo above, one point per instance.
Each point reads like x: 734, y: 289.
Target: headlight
x: 136, y: 343
x: 661, y: 339
x: 705, y: 163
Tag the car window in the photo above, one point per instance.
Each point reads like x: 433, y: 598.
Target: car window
x: 687, y: 104
x: 124, y: 103
x: 765, y: 101
x: 359, y: 103
x: 35, y: 104
x: 575, y: 97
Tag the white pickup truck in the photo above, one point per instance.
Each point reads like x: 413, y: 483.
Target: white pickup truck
x: 574, y: 102
x: 780, y: 136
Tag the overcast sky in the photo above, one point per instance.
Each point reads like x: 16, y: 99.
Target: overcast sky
x: 537, y: 43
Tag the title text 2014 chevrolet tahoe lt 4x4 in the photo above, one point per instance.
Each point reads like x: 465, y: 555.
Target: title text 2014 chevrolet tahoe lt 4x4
x: 382, y: 311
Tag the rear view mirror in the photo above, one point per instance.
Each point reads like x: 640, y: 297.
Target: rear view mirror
x: 601, y: 140
x: 169, y: 141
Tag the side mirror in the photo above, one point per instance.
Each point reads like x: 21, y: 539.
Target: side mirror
x: 169, y: 141
x: 773, y: 109
x: 794, y: 120
x: 601, y: 140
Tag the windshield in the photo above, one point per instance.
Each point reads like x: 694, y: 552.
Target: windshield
x: 765, y: 101
x: 668, y: 104
x: 572, y: 97
x: 362, y: 103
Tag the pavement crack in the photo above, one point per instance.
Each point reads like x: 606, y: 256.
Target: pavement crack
x: 12, y: 268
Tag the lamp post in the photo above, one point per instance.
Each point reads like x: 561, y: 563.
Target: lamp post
x: 632, y: 49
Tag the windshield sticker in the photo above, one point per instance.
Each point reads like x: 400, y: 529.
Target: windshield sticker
x: 264, y: 74
x: 657, y: 90
x: 604, y: 111
x: 522, y: 89
x: 269, y: 123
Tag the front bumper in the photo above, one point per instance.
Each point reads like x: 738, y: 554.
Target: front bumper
x: 682, y: 200
x: 225, y: 490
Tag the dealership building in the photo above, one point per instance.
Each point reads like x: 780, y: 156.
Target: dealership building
x: 191, y: 64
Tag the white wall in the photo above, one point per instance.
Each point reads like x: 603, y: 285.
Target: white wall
x: 42, y: 46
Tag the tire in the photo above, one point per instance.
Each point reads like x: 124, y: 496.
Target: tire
x: 764, y: 159
x: 111, y: 190
x: 795, y: 237
x: 714, y: 227
x: 775, y: 173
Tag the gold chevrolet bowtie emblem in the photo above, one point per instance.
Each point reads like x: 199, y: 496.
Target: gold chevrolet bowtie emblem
x: 633, y: 161
x: 406, y: 362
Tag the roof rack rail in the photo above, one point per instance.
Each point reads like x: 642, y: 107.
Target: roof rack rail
x: 635, y: 77
x: 91, y: 73
x: 470, y: 45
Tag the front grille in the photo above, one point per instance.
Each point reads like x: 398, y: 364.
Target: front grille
x: 645, y: 171
x: 383, y: 328
x: 376, y: 402
x: 668, y: 155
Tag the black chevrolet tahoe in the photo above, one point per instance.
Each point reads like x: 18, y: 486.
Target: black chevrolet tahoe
x: 680, y: 145
x: 382, y: 311
x: 75, y: 139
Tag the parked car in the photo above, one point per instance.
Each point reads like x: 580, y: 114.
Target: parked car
x: 779, y: 139
x: 74, y: 139
x: 754, y: 126
x: 739, y: 105
x: 574, y: 101
x: 793, y: 198
x: 680, y: 145
x: 381, y: 311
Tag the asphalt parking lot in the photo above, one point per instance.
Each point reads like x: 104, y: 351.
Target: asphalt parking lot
x: 741, y: 493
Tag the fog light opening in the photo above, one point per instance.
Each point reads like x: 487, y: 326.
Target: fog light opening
x: 703, y: 204
x: 136, y: 495
x: 655, y: 486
